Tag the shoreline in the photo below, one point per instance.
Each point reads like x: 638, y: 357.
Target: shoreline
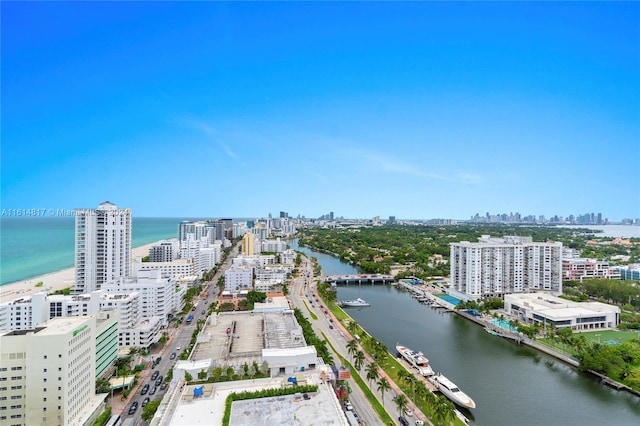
x: 52, y: 281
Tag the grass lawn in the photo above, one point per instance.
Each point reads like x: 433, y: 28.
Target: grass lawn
x: 606, y: 336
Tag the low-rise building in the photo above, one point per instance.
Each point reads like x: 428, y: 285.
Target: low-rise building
x: 238, y: 278
x: 548, y: 310
x: 576, y: 269
x: 176, y: 268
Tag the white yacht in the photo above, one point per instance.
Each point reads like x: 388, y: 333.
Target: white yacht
x: 416, y: 359
x: 451, y: 391
x: 356, y: 303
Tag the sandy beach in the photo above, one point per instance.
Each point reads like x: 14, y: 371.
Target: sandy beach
x: 52, y: 281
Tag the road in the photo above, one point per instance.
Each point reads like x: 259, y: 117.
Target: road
x: 303, y: 289
x: 179, y: 339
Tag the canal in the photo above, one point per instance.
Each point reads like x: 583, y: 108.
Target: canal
x: 512, y: 385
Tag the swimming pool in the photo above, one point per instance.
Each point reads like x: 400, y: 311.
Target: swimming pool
x: 503, y: 323
x: 449, y: 299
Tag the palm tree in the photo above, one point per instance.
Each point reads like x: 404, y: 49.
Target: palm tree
x: 353, y: 327
x: 403, y: 375
x: 383, y: 386
x: 401, y: 403
x: 352, y: 347
x: 359, y: 360
x: 372, y: 372
x: 444, y: 411
x: 422, y: 393
x: 412, y: 381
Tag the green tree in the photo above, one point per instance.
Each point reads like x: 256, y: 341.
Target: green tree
x: 102, y: 385
x: 383, y: 386
x: 372, y: 372
x: 358, y: 360
x: 401, y: 403
x: 149, y: 410
x: 352, y: 347
x: 187, y: 376
x: 444, y: 411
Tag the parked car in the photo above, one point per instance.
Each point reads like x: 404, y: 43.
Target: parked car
x: 163, y: 386
x: 403, y: 421
x: 133, y: 407
x: 178, y: 348
x: 155, y: 375
x: 173, y: 355
x: 145, y: 401
x: 152, y: 391
x: 159, y: 381
x: 145, y: 389
x: 331, y: 326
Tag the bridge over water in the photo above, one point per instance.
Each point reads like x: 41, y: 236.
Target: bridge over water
x: 360, y: 279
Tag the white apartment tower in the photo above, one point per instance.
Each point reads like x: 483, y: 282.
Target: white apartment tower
x: 494, y: 267
x: 102, y: 246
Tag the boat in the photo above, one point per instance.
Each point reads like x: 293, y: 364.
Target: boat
x: 453, y: 392
x: 416, y: 359
x: 356, y: 303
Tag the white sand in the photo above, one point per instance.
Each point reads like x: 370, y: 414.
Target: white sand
x: 52, y: 281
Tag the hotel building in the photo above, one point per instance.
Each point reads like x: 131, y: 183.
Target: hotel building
x: 47, y: 374
x: 102, y: 246
x: 494, y: 267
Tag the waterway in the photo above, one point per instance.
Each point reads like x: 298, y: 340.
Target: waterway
x: 512, y: 385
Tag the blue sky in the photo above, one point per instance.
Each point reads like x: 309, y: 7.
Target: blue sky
x: 418, y: 110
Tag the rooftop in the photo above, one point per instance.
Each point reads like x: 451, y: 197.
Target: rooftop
x: 321, y: 408
x: 236, y: 338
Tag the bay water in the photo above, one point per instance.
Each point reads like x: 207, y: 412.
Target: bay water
x: 512, y: 385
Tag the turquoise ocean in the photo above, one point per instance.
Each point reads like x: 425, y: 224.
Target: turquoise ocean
x: 33, y: 246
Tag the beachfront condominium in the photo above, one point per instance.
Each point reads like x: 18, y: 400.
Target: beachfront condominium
x: 47, y: 374
x: 493, y: 267
x: 102, y: 246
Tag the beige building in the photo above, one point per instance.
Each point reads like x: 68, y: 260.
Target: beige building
x: 248, y: 244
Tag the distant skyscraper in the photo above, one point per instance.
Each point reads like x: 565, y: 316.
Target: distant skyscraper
x: 102, y: 246
x: 392, y: 220
x: 330, y: 215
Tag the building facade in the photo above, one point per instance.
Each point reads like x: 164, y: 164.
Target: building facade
x: 102, y: 246
x: 158, y: 294
x: 546, y: 310
x: 494, y: 267
x: 47, y: 374
x: 576, y: 269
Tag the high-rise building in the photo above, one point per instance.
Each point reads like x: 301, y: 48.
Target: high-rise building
x: 48, y: 374
x: 102, y: 246
x: 248, y: 244
x: 164, y: 251
x: 493, y: 267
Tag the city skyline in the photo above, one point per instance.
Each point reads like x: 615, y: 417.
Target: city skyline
x: 412, y: 110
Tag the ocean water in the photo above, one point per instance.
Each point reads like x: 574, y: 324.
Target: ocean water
x: 33, y: 246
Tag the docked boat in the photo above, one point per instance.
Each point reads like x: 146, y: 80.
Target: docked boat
x: 416, y: 359
x: 451, y: 391
x: 356, y: 303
